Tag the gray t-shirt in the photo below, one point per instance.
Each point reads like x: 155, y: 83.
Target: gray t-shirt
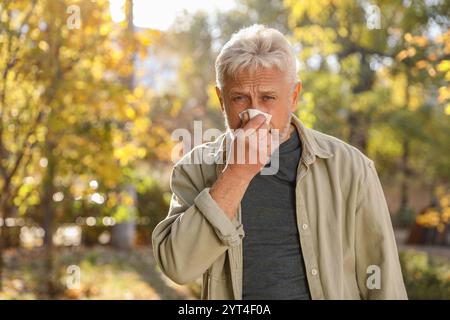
x: 273, y: 263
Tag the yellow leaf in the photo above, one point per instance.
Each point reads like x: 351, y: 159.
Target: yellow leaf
x: 447, y: 109
x: 408, y: 37
x: 105, y: 29
x: 131, y: 114
x: 444, y: 66
x: 43, y: 46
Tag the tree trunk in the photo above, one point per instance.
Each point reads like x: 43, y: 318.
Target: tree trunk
x: 4, y: 211
x: 358, y: 131
x: 404, y: 187
x: 48, y: 212
x: 404, y: 166
x: 123, y: 234
x: 2, y: 244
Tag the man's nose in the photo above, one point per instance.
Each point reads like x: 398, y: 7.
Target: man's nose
x: 259, y: 106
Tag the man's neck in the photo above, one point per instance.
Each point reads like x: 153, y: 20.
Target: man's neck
x: 288, y: 135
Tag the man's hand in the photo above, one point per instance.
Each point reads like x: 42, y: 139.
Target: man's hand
x: 254, y: 139
x: 251, y: 147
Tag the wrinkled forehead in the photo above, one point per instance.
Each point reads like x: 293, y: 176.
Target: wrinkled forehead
x: 261, y: 79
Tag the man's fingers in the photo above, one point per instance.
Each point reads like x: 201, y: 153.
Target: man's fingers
x: 263, y: 131
x: 245, y: 119
x: 255, y: 122
x: 257, y: 126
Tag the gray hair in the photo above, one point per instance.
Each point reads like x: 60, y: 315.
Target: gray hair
x: 253, y: 47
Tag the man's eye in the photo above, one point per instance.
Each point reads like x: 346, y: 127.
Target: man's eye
x: 265, y: 98
x: 236, y: 99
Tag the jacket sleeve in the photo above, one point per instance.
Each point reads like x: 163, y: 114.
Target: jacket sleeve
x: 378, y: 270
x: 195, y: 232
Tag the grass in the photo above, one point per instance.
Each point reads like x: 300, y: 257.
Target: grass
x: 106, y: 273
x: 426, y: 276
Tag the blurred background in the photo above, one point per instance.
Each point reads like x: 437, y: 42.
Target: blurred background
x: 90, y: 92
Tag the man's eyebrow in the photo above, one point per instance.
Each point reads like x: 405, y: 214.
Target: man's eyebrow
x: 237, y: 92
x: 261, y: 92
x: 268, y: 92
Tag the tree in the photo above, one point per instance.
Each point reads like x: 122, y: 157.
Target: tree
x: 361, y: 85
x: 64, y: 107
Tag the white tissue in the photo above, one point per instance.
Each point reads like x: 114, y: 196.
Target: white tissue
x: 254, y: 112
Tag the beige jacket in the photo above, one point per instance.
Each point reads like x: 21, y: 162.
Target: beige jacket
x: 346, y: 234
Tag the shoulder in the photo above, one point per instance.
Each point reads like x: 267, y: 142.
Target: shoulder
x: 345, y: 157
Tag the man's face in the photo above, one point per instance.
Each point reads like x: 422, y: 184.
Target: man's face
x: 267, y: 90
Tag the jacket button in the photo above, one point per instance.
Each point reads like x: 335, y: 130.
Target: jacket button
x: 314, y: 272
x: 304, y: 226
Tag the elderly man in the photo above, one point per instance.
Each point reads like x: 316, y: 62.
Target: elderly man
x: 318, y: 228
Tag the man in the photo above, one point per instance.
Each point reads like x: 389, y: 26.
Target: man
x: 319, y: 228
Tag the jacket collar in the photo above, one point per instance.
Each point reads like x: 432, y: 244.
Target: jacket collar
x: 310, y: 148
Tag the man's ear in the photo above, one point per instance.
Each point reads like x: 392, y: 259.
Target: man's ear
x: 295, y: 95
x: 219, y: 95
